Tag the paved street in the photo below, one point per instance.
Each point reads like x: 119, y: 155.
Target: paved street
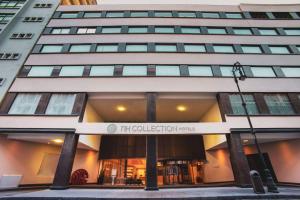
x: 194, y: 193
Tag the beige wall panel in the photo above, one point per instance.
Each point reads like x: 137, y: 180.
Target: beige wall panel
x: 218, y: 168
x: 284, y: 156
x: 160, y: 58
x: 154, y: 84
x: 180, y: 38
x: 172, y: 21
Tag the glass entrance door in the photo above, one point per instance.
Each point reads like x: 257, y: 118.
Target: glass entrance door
x: 179, y: 172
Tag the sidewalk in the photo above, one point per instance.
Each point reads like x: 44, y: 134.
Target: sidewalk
x: 216, y: 193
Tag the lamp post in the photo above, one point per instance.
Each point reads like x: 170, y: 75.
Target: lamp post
x: 237, y: 67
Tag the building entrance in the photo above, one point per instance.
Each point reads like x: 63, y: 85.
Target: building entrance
x: 172, y: 172
x: 132, y: 172
x: 123, y: 160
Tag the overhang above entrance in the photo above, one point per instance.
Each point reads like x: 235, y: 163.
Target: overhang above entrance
x: 187, y: 107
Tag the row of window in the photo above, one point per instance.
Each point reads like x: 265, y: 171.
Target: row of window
x: 11, y: 3
x: 9, y: 56
x: 277, y: 104
x: 42, y: 5
x: 21, y: 36
x: 62, y: 104
x: 174, y: 30
x: 5, y: 17
x: 59, y: 104
x: 19, y: 3
x: 156, y: 70
x: 179, y: 14
x: 165, y: 47
x: 33, y: 19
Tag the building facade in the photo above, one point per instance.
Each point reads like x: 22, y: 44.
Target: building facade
x: 136, y: 94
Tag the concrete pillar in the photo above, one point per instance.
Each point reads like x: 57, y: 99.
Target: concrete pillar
x: 238, y: 160
x: 65, y: 163
x: 151, y: 146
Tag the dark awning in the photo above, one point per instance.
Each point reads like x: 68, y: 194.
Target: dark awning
x: 181, y: 147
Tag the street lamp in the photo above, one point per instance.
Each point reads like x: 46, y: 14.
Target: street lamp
x: 237, y: 67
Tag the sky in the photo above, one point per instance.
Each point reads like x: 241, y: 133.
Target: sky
x: 211, y: 2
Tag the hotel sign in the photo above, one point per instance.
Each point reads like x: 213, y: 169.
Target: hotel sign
x: 152, y: 128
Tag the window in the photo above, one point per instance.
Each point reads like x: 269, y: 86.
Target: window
x: 292, y: 31
x: 223, y: 49
x: 111, y: 30
x: 187, y: 14
x: 237, y: 107
x: 200, y: 71
x: 216, y: 30
x: 11, y: 4
x: 282, y: 15
x: 60, y: 31
x: 298, y: 47
x: 267, y: 31
x: 139, y: 14
x: 164, y: 30
x: 234, y: 15
x: 251, y: 49
x: 136, y: 48
x: 190, y: 30
x: 102, y: 71
x: 2, y: 80
x: 86, y: 30
x: 107, y: 48
x: 165, y: 48
x: 137, y: 30
x: 33, y: 19
x: 4, y: 18
x: 140, y: 70
x: 9, y: 56
x: 71, y: 71
x: 40, y: 71
x: 167, y: 70
x: 80, y: 48
x: 279, y: 49
x: 194, y: 48
x: 61, y: 104
x: 163, y: 14
x: 263, y: 72
x: 52, y: 48
x: 278, y: 104
x: 21, y: 36
x: 210, y: 15
x: 242, y: 31
x: 227, y: 71
x: 114, y: 14
x: 42, y: 5
x: 291, y: 71
x: 259, y: 15
x: 69, y: 15
x: 92, y: 14
x: 25, y: 104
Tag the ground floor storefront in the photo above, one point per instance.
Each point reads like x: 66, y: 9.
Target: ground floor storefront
x: 149, y: 141
x: 121, y: 161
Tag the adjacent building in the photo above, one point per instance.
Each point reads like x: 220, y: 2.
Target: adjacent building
x: 21, y: 23
x: 140, y: 94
